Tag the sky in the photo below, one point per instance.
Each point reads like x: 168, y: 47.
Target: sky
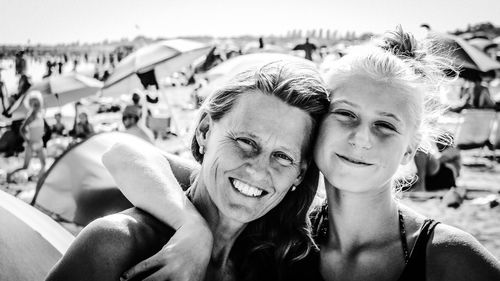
x: 87, y: 21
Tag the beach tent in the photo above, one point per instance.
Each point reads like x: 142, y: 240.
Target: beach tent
x: 30, y: 242
x: 77, y: 188
x: 223, y: 72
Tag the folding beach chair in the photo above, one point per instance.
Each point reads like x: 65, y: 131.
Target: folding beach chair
x: 495, y: 136
x: 475, y: 131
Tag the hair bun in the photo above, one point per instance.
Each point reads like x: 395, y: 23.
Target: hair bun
x: 400, y: 43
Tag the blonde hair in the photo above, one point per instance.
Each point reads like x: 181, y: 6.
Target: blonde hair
x: 33, y: 95
x: 399, y: 59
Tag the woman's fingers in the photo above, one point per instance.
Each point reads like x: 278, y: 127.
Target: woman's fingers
x: 144, y: 266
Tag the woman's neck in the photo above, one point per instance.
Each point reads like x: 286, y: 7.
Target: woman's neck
x: 360, y: 219
x: 224, y: 230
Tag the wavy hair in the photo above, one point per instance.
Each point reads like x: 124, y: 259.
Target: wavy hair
x: 280, y: 238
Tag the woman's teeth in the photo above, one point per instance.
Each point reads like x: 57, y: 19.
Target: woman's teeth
x: 246, y: 189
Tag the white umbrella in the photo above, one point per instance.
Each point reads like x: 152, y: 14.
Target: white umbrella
x: 58, y: 90
x: 67, y: 88
x: 164, y: 57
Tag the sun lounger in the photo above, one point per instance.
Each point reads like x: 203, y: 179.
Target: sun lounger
x: 475, y: 130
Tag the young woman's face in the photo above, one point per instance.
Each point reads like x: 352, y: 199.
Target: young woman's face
x: 254, y: 154
x: 366, y: 135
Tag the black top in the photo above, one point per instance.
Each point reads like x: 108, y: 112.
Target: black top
x: 415, y: 268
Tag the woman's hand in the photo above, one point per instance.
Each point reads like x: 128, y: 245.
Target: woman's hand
x: 184, y: 258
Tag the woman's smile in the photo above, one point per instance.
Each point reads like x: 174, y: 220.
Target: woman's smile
x: 246, y: 189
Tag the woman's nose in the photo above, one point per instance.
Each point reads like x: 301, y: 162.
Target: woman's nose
x: 258, y: 167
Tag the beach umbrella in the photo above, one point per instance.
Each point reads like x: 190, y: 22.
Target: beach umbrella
x: 223, y: 72
x: 464, y: 55
x: 59, y: 90
x: 30, y: 242
x: 482, y: 44
x: 157, y: 60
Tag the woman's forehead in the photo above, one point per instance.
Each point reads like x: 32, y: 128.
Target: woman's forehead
x: 270, y: 119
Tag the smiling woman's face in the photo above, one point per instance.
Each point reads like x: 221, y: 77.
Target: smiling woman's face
x: 366, y: 135
x: 254, y: 154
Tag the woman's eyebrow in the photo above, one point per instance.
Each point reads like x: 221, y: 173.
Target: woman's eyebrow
x: 390, y: 115
x: 343, y: 102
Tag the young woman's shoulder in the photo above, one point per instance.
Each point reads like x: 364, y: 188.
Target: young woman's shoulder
x: 110, y: 245
x: 454, y: 254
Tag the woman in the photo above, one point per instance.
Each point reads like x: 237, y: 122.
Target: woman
x: 383, y: 105
x: 251, y: 140
x: 32, y: 131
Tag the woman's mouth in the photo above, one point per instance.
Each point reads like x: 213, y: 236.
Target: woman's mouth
x: 247, y: 189
x: 353, y: 161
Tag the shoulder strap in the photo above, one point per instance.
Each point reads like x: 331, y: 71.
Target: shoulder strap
x: 415, y: 269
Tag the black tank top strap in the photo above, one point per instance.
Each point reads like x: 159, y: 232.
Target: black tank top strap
x: 416, y: 267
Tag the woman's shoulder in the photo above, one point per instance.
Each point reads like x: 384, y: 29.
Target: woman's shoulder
x: 454, y: 254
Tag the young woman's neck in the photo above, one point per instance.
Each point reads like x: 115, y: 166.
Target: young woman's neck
x: 224, y: 230
x: 358, y: 219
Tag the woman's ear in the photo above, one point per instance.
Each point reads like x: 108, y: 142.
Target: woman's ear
x: 203, y: 129
x: 303, y: 169
x: 411, y: 150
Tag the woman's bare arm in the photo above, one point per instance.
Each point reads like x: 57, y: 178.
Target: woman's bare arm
x: 145, y: 177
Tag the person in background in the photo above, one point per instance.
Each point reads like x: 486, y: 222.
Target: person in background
x: 32, y: 131
x: 81, y: 127
x: 3, y: 93
x: 130, y: 118
x: 58, y: 128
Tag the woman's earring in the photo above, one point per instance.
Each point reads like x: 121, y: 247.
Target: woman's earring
x: 293, y: 188
x: 202, y: 149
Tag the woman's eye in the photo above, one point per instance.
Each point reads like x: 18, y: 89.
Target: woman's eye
x: 246, y: 143
x: 283, y: 159
x: 386, y: 126
x: 344, y: 114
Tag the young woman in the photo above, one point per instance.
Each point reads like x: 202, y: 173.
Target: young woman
x: 32, y: 131
x: 251, y: 140
x: 382, y: 108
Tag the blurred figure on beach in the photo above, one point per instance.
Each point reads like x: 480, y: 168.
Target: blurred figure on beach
x: 49, y: 66
x: 82, y: 128
x: 20, y: 63
x: 58, y: 128
x: 437, y: 169
x: 307, y: 47
x: 476, y: 94
x: 3, y: 92
x: 130, y: 119
x: 32, y: 131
